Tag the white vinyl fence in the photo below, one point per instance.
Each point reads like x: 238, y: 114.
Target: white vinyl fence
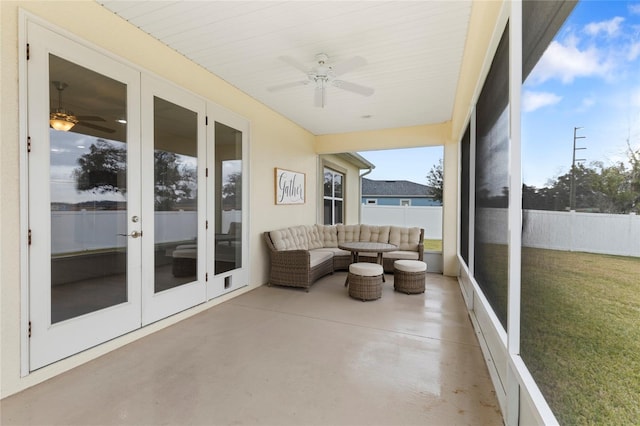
x: 570, y: 231
x: 590, y: 232
x: 427, y: 217
x: 76, y: 231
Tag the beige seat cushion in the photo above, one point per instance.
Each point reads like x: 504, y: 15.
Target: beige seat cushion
x: 319, y: 256
x: 404, y: 238
x: 374, y: 233
x: 336, y: 251
x: 314, y: 239
x: 410, y: 265
x: 329, y: 235
x: 293, y: 238
x: 366, y: 269
x: 348, y: 233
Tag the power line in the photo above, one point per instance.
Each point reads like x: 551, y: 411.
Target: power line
x: 572, y: 194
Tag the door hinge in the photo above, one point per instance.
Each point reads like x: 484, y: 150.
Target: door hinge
x: 28, y: 143
x: 206, y: 276
x: 206, y: 224
x: 206, y: 120
x: 29, y: 329
x: 206, y: 172
x: 29, y: 237
x: 28, y: 52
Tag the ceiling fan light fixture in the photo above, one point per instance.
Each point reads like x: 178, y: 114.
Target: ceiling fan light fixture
x: 62, y: 121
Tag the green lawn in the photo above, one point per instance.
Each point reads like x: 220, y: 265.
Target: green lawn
x: 581, y: 334
x: 433, y: 245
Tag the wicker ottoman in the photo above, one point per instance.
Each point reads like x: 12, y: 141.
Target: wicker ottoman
x: 409, y: 276
x: 365, y: 281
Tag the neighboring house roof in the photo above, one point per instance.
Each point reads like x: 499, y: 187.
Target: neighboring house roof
x: 395, y: 188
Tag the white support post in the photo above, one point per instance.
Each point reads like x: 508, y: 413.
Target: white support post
x: 515, y: 210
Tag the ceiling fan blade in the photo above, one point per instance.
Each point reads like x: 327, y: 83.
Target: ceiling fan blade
x: 96, y: 127
x: 348, y: 65
x: 294, y: 63
x: 287, y: 85
x: 90, y: 118
x: 319, y: 98
x: 353, y: 87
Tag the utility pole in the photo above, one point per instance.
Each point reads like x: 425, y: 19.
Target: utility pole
x: 572, y: 194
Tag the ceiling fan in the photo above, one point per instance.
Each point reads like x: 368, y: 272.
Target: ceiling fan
x: 61, y: 119
x: 324, y: 75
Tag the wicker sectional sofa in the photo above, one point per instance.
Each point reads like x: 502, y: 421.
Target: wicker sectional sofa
x: 302, y: 254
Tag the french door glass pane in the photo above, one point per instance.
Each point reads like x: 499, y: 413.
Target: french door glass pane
x: 88, y: 187
x: 228, y: 193
x: 175, y: 188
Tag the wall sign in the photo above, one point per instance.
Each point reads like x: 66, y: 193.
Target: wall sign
x: 290, y: 187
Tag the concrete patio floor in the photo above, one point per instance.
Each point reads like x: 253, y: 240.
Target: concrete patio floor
x: 281, y: 356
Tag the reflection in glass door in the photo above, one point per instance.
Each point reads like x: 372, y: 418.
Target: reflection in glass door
x: 88, y: 187
x: 228, y: 202
x: 173, y: 190
x: 175, y: 195
x: 84, y: 180
x: 228, y: 221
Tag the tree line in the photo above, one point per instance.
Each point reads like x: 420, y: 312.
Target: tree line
x: 103, y: 170
x: 598, y: 188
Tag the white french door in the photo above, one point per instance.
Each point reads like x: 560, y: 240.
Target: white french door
x: 116, y: 198
x: 228, y: 201
x: 174, y: 194
x: 84, y: 197
x: 137, y: 208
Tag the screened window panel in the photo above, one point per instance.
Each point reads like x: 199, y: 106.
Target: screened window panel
x: 580, y: 305
x: 492, y: 183
x: 465, y: 148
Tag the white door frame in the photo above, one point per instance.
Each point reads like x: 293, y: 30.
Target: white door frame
x: 51, y: 342
x: 43, y: 38
x: 223, y: 283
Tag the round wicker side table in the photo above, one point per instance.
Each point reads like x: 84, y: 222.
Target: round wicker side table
x: 409, y: 276
x: 365, y: 281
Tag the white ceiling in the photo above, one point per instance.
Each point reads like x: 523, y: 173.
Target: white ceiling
x: 413, y: 51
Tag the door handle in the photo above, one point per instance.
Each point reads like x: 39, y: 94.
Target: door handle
x: 134, y: 234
